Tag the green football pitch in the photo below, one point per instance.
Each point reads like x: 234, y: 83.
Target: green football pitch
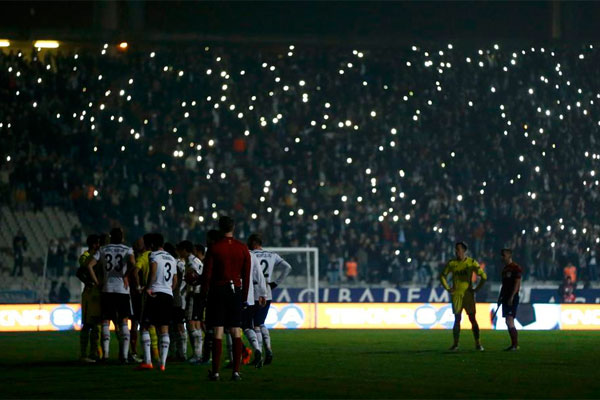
x: 322, y: 364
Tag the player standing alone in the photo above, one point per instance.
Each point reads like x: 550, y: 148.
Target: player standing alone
x: 462, y: 292
x: 509, y: 295
x: 226, y: 281
x: 268, y: 262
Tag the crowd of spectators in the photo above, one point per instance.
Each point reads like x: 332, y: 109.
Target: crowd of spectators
x: 381, y: 157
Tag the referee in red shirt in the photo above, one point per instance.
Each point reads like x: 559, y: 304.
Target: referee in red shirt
x: 509, y: 295
x: 225, y: 282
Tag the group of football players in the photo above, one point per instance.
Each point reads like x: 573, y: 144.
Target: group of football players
x: 156, y: 288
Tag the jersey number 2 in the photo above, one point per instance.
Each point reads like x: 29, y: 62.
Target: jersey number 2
x: 265, y: 265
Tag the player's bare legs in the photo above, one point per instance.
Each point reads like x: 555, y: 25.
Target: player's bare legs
x: 512, y: 331
x: 456, y: 331
x: 475, y: 329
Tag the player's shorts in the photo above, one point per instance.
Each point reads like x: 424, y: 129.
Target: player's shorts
x: 177, y: 315
x: 115, y: 306
x: 158, y: 309
x: 510, y: 311
x: 463, y: 301
x: 260, y: 316
x: 136, y: 305
x: 91, y: 312
x: 224, y: 307
x: 197, y: 308
x: 248, y: 316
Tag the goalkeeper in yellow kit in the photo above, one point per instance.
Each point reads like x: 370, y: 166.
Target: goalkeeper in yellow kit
x: 462, y: 292
x: 142, y: 263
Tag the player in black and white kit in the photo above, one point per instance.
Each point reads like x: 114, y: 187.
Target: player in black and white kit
x: 159, y: 303
x: 268, y: 262
x: 257, y: 294
x: 193, y: 272
x: 177, y: 325
x: 118, y: 262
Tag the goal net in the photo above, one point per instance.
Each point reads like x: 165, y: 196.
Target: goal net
x: 302, y: 284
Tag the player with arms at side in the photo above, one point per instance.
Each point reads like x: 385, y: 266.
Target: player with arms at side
x: 118, y: 262
x: 177, y: 328
x: 142, y: 263
x: 193, y: 271
x: 90, y: 303
x: 269, y: 262
x: 462, y: 292
x: 509, y: 295
x: 159, y: 301
x: 212, y: 237
x: 139, y: 252
x: 226, y: 281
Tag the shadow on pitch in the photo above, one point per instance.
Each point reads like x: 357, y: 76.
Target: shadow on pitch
x: 50, y: 364
x: 401, y: 352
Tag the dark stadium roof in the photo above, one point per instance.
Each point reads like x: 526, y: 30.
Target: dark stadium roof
x: 542, y: 20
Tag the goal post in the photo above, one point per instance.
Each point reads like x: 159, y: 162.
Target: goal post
x: 305, y: 268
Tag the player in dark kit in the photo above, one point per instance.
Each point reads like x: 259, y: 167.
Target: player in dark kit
x: 226, y: 281
x: 509, y: 295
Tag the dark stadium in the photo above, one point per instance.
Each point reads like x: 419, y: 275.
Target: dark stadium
x: 318, y: 199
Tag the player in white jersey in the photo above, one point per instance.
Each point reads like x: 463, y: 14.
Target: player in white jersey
x: 268, y: 263
x: 159, y: 303
x: 257, y: 294
x: 118, y: 262
x: 177, y: 329
x: 192, y: 274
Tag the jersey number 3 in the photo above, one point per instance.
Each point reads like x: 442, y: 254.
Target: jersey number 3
x: 168, y: 277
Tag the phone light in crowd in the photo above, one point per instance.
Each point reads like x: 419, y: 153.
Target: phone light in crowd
x: 4, y: 43
x: 46, y: 44
x: 123, y: 45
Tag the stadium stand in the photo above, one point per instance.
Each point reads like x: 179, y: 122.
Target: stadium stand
x: 372, y: 154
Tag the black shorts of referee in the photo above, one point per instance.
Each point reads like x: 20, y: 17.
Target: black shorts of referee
x: 224, y: 306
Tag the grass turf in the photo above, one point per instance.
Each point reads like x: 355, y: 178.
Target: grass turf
x: 322, y: 364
